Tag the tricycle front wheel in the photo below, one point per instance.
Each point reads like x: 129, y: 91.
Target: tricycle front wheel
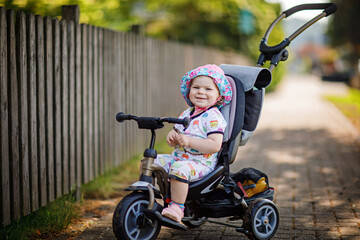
x: 129, y: 221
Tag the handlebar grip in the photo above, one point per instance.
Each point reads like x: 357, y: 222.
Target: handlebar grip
x: 120, y: 117
x: 329, y: 8
x: 185, y: 121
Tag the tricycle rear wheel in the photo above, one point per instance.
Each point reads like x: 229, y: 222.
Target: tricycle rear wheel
x: 261, y: 219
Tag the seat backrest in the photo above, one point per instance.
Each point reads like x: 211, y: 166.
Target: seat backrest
x: 242, y: 114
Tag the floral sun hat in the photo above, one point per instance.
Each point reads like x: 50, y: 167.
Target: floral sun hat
x: 210, y: 70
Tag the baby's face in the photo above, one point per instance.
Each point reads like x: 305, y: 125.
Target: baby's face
x: 203, y: 92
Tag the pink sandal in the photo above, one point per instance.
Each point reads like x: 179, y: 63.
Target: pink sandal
x: 173, y: 212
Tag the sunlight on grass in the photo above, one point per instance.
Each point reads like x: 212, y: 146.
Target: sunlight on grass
x: 116, y: 180
x: 45, y: 222
x: 349, y: 105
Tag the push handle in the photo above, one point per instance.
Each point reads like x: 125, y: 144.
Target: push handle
x: 329, y: 8
x: 278, y: 52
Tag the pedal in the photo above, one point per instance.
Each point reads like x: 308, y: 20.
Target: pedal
x: 164, y: 221
x: 186, y: 219
x: 242, y: 230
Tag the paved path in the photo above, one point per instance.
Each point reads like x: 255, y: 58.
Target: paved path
x: 311, y: 154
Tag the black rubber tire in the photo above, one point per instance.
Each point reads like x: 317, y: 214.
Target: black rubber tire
x: 195, y: 223
x: 128, y: 219
x: 261, y: 219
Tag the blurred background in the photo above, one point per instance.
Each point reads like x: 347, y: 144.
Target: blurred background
x: 330, y: 48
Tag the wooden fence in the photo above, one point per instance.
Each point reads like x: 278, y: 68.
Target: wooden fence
x: 61, y: 85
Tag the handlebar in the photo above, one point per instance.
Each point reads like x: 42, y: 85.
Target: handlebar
x: 278, y: 52
x: 151, y: 122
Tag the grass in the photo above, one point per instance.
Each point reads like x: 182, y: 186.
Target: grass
x: 110, y: 184
x: 349, y: 105
x: 107, y: 185
x: 45, y: 222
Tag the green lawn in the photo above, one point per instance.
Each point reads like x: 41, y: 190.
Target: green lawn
x: 349, y: 105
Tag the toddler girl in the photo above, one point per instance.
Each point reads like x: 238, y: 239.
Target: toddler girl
x: 205, y: 90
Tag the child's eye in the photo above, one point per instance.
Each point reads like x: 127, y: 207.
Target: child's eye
x: 208, y: 89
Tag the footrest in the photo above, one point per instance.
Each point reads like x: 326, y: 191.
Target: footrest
x: 164, y: 221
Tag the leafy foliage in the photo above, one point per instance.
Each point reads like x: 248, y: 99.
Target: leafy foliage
x: 211, y: 23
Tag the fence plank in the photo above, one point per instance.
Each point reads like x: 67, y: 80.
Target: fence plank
x: 96, y: 100
x: 4, y: 124
x: 41, y: 88
x: 57, y: 107
x: 110, y: 128
x: 71, y: 106
x: 78, y: 99
x: 101, y: 100
x: 104, y: 99
x: 64, y: 106
x: 14, y: 123
x: 84, y: 74
x: 90, y: 100
x: 122, y: 97
x: 117, y: 101
x: 49, y: 109
x: 31, y: 47
x: 21, y: 55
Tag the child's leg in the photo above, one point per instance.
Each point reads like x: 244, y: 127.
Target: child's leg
x: 175, y: 210
x: 165, y: 161
x: 179, y: 191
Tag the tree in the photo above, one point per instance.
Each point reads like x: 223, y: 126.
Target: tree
x: 212, y: 23
x: 225, y: 24
x: 345, y: 35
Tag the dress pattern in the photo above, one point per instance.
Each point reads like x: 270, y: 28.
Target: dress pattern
x: 187, y: 164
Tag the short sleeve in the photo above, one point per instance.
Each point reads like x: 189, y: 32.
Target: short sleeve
x: 184, y: 114
x: 214, y: 122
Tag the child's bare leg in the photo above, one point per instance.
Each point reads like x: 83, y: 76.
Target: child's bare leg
x: 179, y: 191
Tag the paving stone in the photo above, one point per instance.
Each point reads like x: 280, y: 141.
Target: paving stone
x: 328, y: 235
x: 349, y: 231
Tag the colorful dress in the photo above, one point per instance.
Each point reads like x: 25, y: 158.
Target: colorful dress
x: 186, y: 164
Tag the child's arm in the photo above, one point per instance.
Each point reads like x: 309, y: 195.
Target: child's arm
x: 210, y: 145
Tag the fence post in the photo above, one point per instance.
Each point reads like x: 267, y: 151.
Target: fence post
x: 71, y: 13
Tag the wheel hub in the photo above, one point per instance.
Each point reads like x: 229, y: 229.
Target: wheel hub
x: 140, y: 220
x: 265, y: 221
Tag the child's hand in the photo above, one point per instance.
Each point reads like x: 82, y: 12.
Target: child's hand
x: 183, y: 140
x: 171, y: 138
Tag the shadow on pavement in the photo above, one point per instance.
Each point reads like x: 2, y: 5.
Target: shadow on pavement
x: 316, y: 178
